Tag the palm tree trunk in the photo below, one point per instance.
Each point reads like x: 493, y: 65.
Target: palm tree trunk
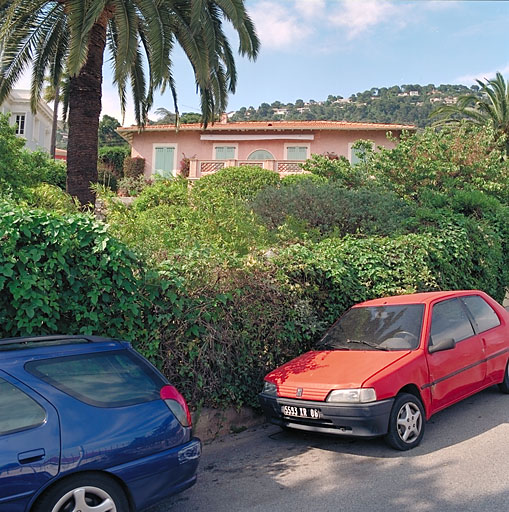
x: 54, y: 125
x: 84, y: 111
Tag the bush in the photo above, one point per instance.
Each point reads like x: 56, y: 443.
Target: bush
x: 237, y: 182
x: 336, y: 169
x: 113, y: 158
x: 230, y: 335
x: 107, y: 178
x: 13, y: 176
x: 163, y: 191
x: 444, y: 161
x: 66, y: 274
x: 51, y: 198
x: 293, y: 179
x: 132, y: 187
x: 329, y: 208
x: 336, y: 273
x: 44, y: 169
x: 133, y: 167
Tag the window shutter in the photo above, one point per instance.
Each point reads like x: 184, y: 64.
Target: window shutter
x: 164, y: 161
x: 296, y: 153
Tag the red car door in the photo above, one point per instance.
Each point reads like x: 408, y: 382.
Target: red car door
x: 459, y: 371
x: 492, y: 335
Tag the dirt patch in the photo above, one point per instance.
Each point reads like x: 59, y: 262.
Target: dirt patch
x: 211, y: 423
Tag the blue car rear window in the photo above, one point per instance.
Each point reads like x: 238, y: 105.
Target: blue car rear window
x: 106, y: 379
x: 17, y: 410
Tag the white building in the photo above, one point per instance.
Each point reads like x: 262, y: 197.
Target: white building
x: 36, y: 129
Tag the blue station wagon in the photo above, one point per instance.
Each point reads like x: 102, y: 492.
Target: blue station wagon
x: 86, y: 423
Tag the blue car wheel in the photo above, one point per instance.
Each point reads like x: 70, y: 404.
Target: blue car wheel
x: 85, y: 493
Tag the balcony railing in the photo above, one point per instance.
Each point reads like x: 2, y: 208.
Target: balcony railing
x: 200, y: 168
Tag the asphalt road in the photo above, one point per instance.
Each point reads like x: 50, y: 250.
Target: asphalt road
x: 462, y: 464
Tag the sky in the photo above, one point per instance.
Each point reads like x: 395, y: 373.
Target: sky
x: 313, y: 48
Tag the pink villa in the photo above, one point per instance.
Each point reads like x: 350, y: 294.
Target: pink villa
x: 277, y: 145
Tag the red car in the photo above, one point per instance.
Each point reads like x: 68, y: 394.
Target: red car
x: 387, y: 365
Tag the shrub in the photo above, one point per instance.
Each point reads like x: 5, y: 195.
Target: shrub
x: 336, y: 273
x: 444, y: 161
x: 132, y: 187
x: 336, y: 169
x: 332, y: 208
x: 107, y: 178
x: 134, y: 167
x: 44, y: 169
x: 238, y: 182
x: 293, y: 179
x: 65, y: 274
x: 13, y: 176
x: 229, y: 336
x: 51, y: 198
x: 113, y: 158
x: 163, y: 191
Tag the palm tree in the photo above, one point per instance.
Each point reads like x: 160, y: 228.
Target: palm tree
x: 491, y: 106
x: 140, y: 35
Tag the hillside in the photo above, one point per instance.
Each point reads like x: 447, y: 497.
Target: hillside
x: 408, y: 104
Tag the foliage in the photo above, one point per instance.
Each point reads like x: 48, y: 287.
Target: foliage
x: 132, y: 187
x: 107, y: 133
x: 59, y: 37
x: 163, y: 191
x: 407, y: 104
x: 334, y: 273
x: 12, y: 179
x: 445, y: 160
x: 293, y: 179
x: 489, y: 106
x: 334, y: 168
x: 113, y: 157
x: 106, y: 178
x: 230, y: 335
x: 240, y: 182
x: 51, y: 198
x: 133, y: 167
x: 65, y: 274
x: 330, y: 208
x: 20, y: 168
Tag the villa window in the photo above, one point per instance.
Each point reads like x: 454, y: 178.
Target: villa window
x: 164, y: 161
x: 225, y: 152
x: 297, y: 152
x: 20, y: 124
x: 356, y: 155
x: 261, y: 154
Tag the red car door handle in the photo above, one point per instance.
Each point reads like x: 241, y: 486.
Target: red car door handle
x: 31, y: 456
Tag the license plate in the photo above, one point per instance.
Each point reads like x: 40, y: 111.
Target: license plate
x: 300, y: 412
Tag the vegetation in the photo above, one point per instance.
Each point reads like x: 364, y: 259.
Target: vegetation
x: 220, y: 281
x: 406, y: 104
x: 488, y: 107
x: 71, y: 37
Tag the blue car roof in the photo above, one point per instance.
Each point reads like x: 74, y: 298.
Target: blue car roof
x: 33, y: 345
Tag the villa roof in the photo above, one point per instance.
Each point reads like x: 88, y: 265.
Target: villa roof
x: 270, y: 126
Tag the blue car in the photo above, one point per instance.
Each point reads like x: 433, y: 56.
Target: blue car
x: 87, y: 424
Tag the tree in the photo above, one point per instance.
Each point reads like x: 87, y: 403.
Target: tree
x: 107, y: 132
x: 490, y: 107
x: 75, y: 34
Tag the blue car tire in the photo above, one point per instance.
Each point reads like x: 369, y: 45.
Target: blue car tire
x: 84, y: 492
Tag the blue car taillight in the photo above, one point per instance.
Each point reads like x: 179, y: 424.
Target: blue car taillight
x: 177, y: 405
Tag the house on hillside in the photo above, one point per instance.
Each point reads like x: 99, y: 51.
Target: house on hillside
x: 277, y: 145
x: 34, y: 128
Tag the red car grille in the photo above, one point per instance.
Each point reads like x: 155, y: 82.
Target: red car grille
x: 308, y: 393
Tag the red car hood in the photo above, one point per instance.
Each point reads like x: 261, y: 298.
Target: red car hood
x: 316, y: 373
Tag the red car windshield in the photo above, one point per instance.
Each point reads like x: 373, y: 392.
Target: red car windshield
x: 376, y: 328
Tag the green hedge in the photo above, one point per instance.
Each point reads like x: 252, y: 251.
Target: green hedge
x: 65, y: 274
